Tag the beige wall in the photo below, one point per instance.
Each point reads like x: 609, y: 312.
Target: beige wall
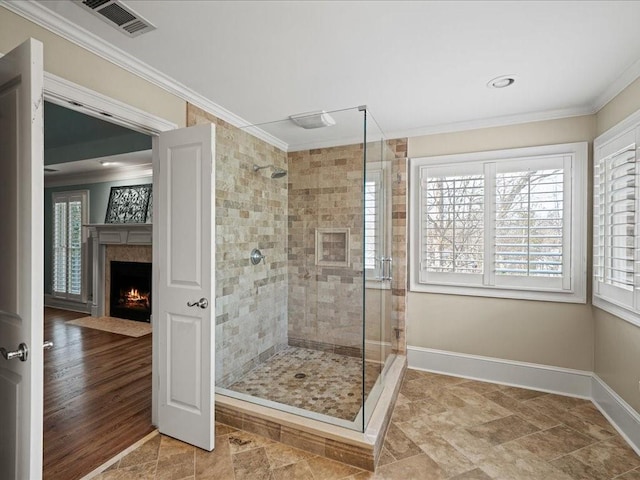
x: 620, y: 107
x: 617, y: 355
x: 558, y: 334
x: 526, y: 331
x: 73, y: 63
x: 564, y: 130
x: 617, y: 342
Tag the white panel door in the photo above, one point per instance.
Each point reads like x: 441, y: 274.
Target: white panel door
x: 21, y: 261
x: 183, y: 255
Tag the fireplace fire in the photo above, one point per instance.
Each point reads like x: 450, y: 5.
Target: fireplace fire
x: 134, y: 299
x: 130, y: 290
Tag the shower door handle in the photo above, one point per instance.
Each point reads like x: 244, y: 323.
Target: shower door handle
x: 386, y: 272
x: 202, y: 303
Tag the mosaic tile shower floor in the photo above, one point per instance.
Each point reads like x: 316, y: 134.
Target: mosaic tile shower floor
x: 332, y: 383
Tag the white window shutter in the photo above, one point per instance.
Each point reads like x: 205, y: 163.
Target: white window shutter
x: 372, y: 236
x: 529, y: 229
x: 70, y: 212
x: 59, y: 246
x: 620, y: 219
x: 452, y: 223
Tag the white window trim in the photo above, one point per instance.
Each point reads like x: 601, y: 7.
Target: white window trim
x: 576, y: 290
x: 606, y: 144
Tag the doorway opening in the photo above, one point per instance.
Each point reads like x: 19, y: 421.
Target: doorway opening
x: 97, y: 383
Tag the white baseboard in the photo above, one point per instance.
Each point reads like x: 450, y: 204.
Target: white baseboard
x: 619, y: 413
x: 562, y: 381
x: 53, y: 302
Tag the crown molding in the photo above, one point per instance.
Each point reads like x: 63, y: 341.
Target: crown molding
x: 40, y: 15
x: 618, y: 85
x: 503, y: 121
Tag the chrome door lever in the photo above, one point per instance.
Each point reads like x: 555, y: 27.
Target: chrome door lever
x: 202, y: 303
x: 22, y: 353
x: 47, y: 345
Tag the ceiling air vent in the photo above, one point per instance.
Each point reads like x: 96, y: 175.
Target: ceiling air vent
x: 118, y: 15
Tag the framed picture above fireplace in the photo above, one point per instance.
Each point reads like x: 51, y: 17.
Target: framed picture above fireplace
x: 128, y: 204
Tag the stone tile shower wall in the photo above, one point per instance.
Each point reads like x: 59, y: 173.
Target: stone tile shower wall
x: 399, y: 243
x: 251, y: 212
x: 325, y: 302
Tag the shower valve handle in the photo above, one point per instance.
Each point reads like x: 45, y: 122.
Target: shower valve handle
x: 202, y: 303
x: 256, y: 256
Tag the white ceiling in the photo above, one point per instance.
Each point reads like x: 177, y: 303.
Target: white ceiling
x: 114, y: 167
x: 420, y: 67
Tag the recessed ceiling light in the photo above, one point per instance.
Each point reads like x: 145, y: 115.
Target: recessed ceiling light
x: 503, y: 81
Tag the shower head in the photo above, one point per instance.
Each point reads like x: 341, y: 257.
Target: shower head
x: 278, y: 173
x: 275, y: 171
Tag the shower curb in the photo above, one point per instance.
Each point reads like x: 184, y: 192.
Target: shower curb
x: 348, y: 446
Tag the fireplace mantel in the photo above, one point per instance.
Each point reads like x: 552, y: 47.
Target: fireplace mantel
x: 121, y: 233
x: 103, y: 234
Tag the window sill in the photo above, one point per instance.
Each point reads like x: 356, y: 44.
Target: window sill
x: 617, y: 310
x: 515, y: 294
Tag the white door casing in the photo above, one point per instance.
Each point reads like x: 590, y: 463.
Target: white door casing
x: 183, y: 255
x: 21, y: 260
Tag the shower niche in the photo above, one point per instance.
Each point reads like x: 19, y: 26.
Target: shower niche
x: 332, y: 247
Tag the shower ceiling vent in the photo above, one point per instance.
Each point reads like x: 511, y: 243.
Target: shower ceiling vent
x: 118, y: 15
x: 313, y: 120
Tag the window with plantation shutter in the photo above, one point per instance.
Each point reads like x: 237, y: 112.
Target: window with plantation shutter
x: 507, y: 223
x: 615, y: 223
x: 371, y: 224
x: 69, y: 214
x: 376, y: 216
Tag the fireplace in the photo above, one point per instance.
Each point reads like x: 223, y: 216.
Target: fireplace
x: 130, y: 292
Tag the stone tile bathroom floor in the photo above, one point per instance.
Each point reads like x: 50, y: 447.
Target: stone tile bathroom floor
x: 442, y: 428
x: 332, y: 383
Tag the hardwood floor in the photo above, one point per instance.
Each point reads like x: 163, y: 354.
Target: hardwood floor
x: 97, y: 395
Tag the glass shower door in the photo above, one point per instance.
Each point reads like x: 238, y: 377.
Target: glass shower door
x: 378, y: 265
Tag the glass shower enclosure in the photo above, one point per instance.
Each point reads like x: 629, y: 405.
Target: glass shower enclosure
x: 303, y: 268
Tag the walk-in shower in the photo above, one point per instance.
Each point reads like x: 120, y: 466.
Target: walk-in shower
x: 308, y: 330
